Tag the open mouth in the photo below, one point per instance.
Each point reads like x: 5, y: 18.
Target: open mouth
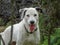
x: 32, y: 27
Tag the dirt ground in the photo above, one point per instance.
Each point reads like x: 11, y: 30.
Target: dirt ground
x: 2, y: 28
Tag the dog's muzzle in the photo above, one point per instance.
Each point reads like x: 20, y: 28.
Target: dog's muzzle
x: 32, y: 25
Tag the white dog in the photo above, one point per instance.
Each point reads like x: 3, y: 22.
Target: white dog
x: 26, y: 32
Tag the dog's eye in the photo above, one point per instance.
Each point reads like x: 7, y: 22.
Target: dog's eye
x: 35, y: 15
x: 27, y: 15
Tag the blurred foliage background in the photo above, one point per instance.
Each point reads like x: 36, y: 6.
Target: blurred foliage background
x: 49, y: 20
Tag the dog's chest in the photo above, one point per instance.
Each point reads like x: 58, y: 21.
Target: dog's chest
x: 29, y: 39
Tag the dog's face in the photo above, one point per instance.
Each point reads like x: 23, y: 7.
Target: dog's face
x: 31, y: 18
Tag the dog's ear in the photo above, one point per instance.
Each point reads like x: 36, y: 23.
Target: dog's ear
x: 22, y: 12
x: 39, y: 9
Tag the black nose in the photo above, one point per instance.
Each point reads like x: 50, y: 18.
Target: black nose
x: 32, y: 22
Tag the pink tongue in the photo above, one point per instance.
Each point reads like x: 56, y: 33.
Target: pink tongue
x: 32, y: 27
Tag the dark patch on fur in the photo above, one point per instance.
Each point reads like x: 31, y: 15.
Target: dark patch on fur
x: 24, y: 13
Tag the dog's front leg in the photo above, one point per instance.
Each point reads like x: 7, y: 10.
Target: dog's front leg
x: 18, y: 43
x: 37, y: 37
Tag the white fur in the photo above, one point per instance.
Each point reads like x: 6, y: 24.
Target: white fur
x: 19, y: 32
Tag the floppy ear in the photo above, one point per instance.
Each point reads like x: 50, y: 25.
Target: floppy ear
x: 39, y: 9
x: 22, y: 12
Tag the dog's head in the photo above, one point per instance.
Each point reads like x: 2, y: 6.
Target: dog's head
x: 31, y: 18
